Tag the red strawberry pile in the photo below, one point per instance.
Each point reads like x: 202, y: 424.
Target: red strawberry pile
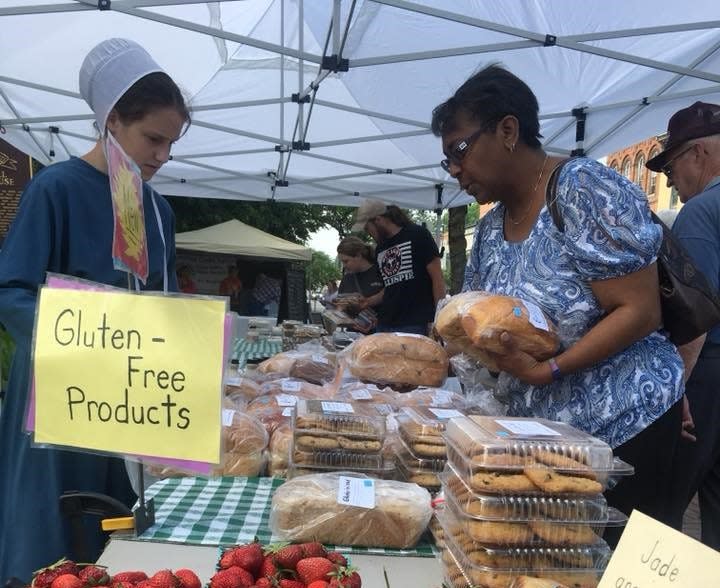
x: 306, y: 565
x: 68, y: 574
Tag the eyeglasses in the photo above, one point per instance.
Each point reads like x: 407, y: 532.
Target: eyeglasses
x: 459, y: 151
x: 667, y: 169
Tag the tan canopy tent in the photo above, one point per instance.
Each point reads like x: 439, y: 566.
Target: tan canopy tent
x: 236, y: 238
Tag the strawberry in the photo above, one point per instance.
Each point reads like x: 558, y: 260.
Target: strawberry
x: 346, y: 577
x: 268, y: 569
x: 263, y: 583
x: 318, y: 584
x: 285, y: 583
x: 43, y: 578
x: 314, y: 568
x: 94, y: 576
x: 313, y: 549
x: 232, y: 577
x: 288, y: 557
x: 337, y: 558
x: 188, y: 578
x: 67, y: 581
x: 226, y: 559
x: 129, y: 577
x: 249, y: 557
x: 164, y: 579
x: 141, y: 584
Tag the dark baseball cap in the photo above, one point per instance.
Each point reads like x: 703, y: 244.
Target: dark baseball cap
x: 699, y: 120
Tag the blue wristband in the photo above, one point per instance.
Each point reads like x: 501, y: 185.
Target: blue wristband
x: 554, y: 369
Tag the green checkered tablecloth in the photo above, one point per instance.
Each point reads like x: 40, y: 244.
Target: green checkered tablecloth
x: 260, y: 349
x: 228, y: 511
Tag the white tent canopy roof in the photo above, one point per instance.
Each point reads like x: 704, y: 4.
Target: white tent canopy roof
x: 623, y: 66
x: 236, y: 238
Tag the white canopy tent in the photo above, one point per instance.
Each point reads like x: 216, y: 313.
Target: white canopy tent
x: 236, y: 238
x: 329, y: 101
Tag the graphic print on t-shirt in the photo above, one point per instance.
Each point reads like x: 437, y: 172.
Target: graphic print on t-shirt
x: 396, y: 263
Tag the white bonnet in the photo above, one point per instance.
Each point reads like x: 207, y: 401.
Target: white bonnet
x: 109, y: 70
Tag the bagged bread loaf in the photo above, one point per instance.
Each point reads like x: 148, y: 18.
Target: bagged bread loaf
x: 306, y: 508
x: 398, y: 359
x: 279, y: 450
x: 318, y: 366
x: 483, y: 317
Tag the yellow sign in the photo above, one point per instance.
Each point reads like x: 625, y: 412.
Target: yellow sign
x: 127, y: 373
x: 653, y: 555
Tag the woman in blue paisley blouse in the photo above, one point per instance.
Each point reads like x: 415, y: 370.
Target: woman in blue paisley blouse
x: 616, y: 376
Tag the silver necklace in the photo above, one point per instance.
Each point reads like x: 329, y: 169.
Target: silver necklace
x: 532, y: 199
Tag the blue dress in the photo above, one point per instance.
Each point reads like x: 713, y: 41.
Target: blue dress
x: 608, y: 233
x: 64, y: 224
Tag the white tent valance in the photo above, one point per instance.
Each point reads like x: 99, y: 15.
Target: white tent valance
x: 236, y: 238
x: 329, y: 101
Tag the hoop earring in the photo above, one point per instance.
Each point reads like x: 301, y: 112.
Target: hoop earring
x: 511, y: 147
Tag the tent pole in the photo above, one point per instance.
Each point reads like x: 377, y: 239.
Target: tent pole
x: 580, y: 118
x: 25, y: 127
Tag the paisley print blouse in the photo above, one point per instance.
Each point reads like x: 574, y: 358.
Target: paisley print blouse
x: 608, y: 233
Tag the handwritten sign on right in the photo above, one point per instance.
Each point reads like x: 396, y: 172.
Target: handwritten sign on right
x: 653, y: 555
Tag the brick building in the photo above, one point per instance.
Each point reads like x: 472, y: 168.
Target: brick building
x: 630, y: 162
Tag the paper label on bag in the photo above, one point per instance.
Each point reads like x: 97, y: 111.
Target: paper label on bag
x: 536, y: 316
x: 526, y: 428
x: 290, y: 386
x: 287, y: 411
x: 286, y: 399
x: 233, y: 381
x: 336, y: 406
x: 363, y: 394
x: 446, y: 413
x: 412, y: 335
x: 227, y: 417
x: 356, y: 492
x: 317, y: 358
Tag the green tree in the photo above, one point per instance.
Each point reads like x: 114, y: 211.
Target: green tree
x: 320, y: 270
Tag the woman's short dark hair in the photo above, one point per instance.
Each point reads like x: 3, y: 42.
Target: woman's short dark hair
x: 151, y: 92
x: 488, y: 96
x: 356, y: 247
x: 397, y: 216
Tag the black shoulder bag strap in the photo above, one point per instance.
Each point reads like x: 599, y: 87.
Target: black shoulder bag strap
x: 551, y: 196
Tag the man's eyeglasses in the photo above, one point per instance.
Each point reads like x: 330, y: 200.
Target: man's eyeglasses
x: 459, y: 151
x: 667, y: 169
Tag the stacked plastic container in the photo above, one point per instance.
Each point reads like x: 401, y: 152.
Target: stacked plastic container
x: 339, y: 436
x: 421, y: 453
x: 523, y: 497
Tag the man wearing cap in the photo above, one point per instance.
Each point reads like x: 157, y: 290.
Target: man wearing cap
x: 691, y: 161
x: 409, y: 263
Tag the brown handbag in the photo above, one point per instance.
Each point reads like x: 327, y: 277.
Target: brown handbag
x: 690, y: 305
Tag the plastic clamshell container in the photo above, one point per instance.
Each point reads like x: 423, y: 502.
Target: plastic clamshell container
x: 422, y: 427
x: 498, y: 443
x: 426, y: 479
x: 338, y: 460
x: 330, y: 417
x: 532, y: 533
x: 494, y: 507
x: 387, y: 470
x: 414, y: 462
x: 464, y: 566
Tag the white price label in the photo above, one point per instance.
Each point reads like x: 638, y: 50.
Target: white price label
x: 356, y: 492
x: 441, y: 397
x: 317, y: 358
x: 336, y: 406
x: 286, y: 400
x: 536, y: 316
x: 526, y: 428
x: 412, y: 335
x: 227, y: 417
x: 233, y: 380
x: 363, y: 394
x: 290, y: 386
x: 446, y: 413
x: 287, y: 411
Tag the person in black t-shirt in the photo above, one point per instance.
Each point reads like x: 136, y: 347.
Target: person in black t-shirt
x: 409, y: 263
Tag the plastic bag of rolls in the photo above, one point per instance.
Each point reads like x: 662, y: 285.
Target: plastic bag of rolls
x: 472, y: 323
x: 397, y: 359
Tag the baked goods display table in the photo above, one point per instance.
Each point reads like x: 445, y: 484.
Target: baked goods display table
x: 195, y: 515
